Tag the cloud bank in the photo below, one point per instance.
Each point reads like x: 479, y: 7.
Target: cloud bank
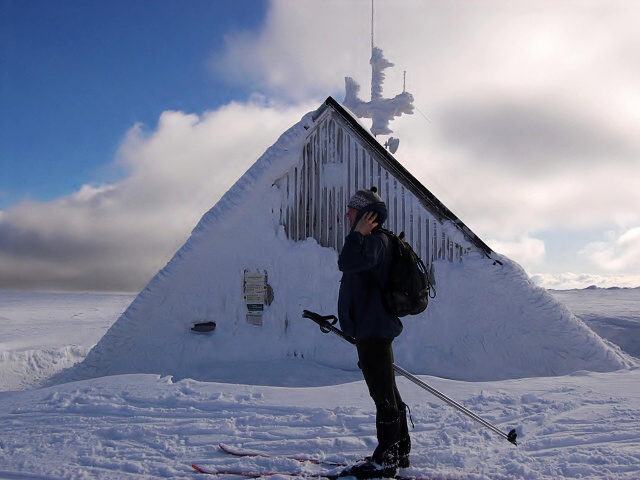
x: 115, y: 237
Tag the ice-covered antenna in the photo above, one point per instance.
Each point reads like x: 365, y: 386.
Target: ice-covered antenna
x: 379, y: 109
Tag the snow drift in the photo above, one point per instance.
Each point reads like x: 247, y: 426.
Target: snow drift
x: 487, y: 322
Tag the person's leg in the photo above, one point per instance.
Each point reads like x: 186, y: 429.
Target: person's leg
x: 404, y: 447
x: 376, y: 362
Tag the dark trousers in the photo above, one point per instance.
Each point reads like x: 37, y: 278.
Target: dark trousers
x: 375, y: 357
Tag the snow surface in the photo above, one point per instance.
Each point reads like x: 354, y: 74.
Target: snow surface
x: 36, y: 333
x: 618, y: 324
x: 145, y: 426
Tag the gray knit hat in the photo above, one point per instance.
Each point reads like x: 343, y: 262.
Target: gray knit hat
x: 362, y: 198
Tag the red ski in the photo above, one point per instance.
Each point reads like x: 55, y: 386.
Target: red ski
x: 254, y: 474
x: 246, y: 453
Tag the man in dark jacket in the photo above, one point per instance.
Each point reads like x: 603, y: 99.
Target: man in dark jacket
x: 364, y: 261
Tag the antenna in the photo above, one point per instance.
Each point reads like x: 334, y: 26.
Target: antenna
x: 392, y: 144
x: 379, y: 109
x: 371, y: 24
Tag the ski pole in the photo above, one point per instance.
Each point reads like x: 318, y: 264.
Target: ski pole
x: 327, y: 324
x: 511, y: 436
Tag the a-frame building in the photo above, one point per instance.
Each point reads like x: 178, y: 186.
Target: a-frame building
x: 268, y: 249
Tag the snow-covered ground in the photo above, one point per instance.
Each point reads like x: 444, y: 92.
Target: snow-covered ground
x: 583, y: 425
x: 612, y: 313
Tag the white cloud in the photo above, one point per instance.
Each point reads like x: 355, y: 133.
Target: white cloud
x: 569, y: 281
x: 526, y: 251
x: 620, y: 252
x: 530, y: 104
x: 117, y: 236
x: 305, y: 49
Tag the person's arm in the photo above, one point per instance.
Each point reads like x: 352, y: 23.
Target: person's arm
x: 361, y: 251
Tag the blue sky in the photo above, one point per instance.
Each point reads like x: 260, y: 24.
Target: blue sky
x: 77, y: 74
x: 123, y: 122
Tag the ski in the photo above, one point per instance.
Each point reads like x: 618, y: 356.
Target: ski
x: 257, y: 474
x: 245, y: 453
x: 327, y: 474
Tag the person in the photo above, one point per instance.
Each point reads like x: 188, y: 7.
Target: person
x: 364, y: 261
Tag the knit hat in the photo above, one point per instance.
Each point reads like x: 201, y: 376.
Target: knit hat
x: 362, y: 198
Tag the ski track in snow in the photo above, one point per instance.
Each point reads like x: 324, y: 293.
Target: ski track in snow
x: 144, y: 426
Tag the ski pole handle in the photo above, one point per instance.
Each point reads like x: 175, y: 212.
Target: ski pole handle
x: 326, y: 326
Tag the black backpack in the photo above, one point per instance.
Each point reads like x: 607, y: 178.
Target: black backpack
x: 409, y: 284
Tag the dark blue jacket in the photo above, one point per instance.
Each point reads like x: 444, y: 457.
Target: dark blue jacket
x: 364, y: 263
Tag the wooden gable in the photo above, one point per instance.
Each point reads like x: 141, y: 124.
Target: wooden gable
x: 340, y: 157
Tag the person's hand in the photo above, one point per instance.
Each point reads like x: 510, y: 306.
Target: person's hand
x: 366, y: 223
